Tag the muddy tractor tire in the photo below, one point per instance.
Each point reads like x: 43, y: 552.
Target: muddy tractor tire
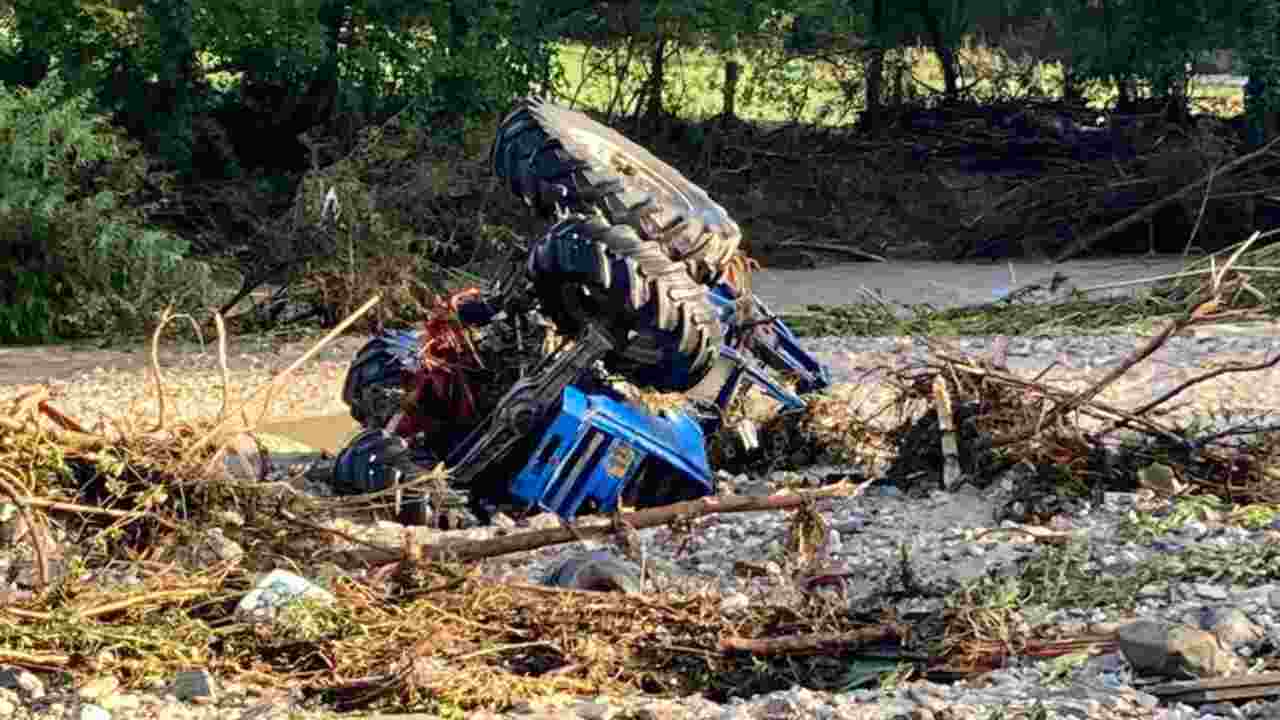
x: 375, y: 460
x: 375, y: 384
x: 665, y: 331
x: 557, y: 159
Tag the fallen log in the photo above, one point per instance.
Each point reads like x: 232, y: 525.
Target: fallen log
x: 472, y: 550
x: 1239, y: 687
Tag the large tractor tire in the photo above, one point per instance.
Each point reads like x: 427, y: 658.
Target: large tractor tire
x: 375, y: 384
x: 559, y: 159
x: 665, y: 331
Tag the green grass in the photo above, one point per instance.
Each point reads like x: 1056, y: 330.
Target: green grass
x: 778, y: 89
x: 1071, y: 316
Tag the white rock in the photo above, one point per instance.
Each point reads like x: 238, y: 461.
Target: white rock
x: 93, y: 712
x: 734, y: 603
x: 98, y: 688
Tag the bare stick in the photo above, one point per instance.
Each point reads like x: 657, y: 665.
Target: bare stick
x: 1166, y: 397
x: 280, y: 378
x: 1173, y: 276
x: 58, y: 506
x: 165, y: 317
x: 1151, y: 209
x: 34, y: 660
x: 810, y: 644
x: 1092, y: 408
x: 222, y: 363
x: 1204, y: 202
x: 833, y: 248
x: 470, y: 550
x: 165, y: 596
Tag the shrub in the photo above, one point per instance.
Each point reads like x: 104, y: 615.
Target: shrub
x: 77, y: 257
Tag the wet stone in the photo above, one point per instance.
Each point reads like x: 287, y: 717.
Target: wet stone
x: 24, y: 681
x: 191, y: 684
x: 1211, y: 592
x: 1231, y: 626
x: 1159, y: 648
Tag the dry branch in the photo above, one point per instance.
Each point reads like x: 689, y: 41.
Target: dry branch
x: 1151, y: 209
x: 471, y: 550
x: 284, y: 374
x: 812, y: 644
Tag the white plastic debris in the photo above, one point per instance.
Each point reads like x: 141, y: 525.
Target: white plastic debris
x: 276, y: 590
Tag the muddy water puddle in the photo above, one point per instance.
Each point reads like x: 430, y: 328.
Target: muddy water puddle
x: 321, y: 433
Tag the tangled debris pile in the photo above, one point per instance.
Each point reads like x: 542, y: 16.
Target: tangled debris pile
x: 992, y: 181
x: 144, y: 546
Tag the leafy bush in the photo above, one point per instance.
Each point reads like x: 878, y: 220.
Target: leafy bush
x: 76, y: 255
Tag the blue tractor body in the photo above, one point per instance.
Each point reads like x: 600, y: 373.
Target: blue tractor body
x: 598, y: 450
x: 598, y: 445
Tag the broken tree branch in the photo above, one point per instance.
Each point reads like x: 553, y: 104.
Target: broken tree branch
x: 471, y: 550
x: 811, y: 644
x: 279, y: 379
x: 832, y: 248
x: 1182, y: 387
x: 1152, y: 208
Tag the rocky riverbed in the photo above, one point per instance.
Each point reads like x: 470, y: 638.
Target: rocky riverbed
x: 1170, y: 585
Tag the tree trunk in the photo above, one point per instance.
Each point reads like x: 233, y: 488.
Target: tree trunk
x: 33, y: 61
x: 875, y: 89
x: 170, y: 22
x: 1262, y: 58
x: 946, y: 54
x: 1125, y: 94
x: 899, y: 73
x: 657, y: 79
x: 1071, y: 93
x: 732, y: 69
x: 875, y: 69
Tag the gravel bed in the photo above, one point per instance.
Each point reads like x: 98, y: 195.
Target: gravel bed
x: 951, y: 538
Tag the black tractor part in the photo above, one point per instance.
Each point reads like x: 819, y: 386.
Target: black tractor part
x: 557, y: 159
x: 376, y: 460
x: 665, y: 331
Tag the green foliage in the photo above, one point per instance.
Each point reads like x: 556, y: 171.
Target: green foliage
x: 1145, y: 526
x: 384, y: 54
x: 76, y: 257
x: 279, y: 65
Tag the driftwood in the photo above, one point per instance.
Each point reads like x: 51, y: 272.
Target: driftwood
x: 832, y: 248
x: 471, y: 550
x: 1240, y: 687
x: 811, y: 644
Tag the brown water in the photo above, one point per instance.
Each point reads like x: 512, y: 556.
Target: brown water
x: 324, y: 433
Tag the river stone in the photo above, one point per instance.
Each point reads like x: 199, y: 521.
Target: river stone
x: 1160, y: 648
x: 1231, y: 626
x: 93, y: 712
